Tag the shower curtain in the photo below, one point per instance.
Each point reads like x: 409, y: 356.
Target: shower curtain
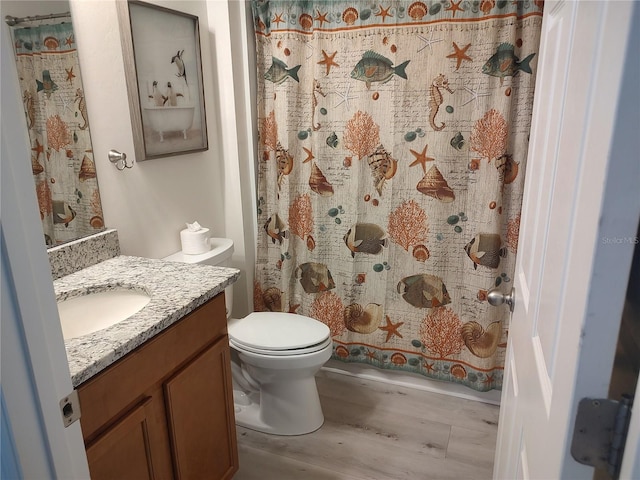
x: 61, y: 154
x: 392, y: 150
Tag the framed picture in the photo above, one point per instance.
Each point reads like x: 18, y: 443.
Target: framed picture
x: 163, y: 71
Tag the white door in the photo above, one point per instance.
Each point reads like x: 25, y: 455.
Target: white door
x: 35, y: 372
x: 577, y: 234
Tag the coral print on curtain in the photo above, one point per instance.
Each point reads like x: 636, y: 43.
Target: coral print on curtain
x: 393, y: 142
x: 61, y: 154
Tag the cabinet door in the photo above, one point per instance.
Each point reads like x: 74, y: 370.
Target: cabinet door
x: 123, y: 452
x: 199, y: 402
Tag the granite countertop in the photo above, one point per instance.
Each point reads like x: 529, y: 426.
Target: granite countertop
x: 176, y: 289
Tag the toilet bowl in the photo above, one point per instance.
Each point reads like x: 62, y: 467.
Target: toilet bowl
x: 274, y: 359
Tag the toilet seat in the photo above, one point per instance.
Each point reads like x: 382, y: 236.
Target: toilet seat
x: 298, y: 351
x: 278, y: 334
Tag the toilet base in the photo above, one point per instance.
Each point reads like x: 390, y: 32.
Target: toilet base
x: 277, y: 394
x: 278, y: 416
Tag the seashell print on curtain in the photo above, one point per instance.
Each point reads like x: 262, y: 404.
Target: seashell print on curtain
x: 61, y: 153
x: 392, y: 153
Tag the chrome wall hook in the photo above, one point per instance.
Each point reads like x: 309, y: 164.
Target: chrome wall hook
x: 119, y: 159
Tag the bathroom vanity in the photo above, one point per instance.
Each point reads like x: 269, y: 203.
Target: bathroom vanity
x: 165, y: 410
x: 155, y: 389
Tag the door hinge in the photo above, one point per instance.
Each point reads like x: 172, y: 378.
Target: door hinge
x: 600, y: 433
x: 70, y: 408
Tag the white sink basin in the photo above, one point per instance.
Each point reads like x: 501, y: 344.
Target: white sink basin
x: 95, y: 311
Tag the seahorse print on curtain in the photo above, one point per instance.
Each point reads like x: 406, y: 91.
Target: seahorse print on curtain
x: 393, y: 144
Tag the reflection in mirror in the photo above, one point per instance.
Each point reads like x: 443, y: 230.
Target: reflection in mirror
x: 62, y: 158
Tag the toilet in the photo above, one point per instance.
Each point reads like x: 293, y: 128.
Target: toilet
x: 274, y: 359
x: 218, y: 256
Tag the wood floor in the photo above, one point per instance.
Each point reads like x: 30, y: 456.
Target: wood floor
x: 377, y: 431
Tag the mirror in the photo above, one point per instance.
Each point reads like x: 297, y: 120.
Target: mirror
x: 55, y: 108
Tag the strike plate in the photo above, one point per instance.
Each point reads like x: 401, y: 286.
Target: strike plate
x: 70, y: 408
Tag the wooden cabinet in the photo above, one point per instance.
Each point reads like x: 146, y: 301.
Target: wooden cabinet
x: 128, y: 442
x: 165, y: 410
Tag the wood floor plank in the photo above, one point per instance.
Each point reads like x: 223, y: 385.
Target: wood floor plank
x: 350, y: 458
x: 420, y: 436
x: 472, y: 447
x: 424, y: 405
x: 348, y: 450
x: 377, y: 431
x: 259, y: 465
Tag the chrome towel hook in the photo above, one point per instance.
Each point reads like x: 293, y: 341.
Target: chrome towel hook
x: 120, y: 159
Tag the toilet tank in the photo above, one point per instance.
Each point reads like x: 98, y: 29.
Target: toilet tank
x: 218, y: 256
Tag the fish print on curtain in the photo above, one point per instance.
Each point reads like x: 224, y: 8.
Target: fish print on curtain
x: 61, y: 153
x: 392, y: 143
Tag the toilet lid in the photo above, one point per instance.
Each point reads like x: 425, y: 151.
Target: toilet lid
x: 276, y: 331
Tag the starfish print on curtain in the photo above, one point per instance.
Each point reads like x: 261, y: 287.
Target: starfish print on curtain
x: 392, y: 158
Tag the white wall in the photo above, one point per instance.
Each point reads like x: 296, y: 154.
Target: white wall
x: 231, y: 39
x: 150, y: 203
x: 27, y: 8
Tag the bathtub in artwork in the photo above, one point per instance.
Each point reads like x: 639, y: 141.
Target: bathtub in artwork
x: 170, y: 119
